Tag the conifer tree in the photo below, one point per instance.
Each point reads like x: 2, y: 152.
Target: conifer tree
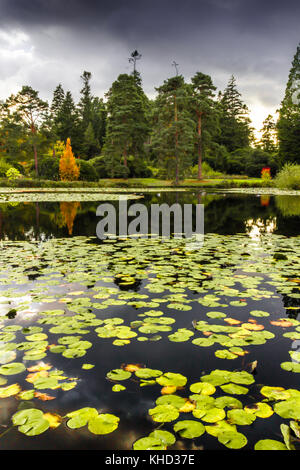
x: 90, y: 145
x: 234, y: 121
x: 289, y: 116
x: 127, y: 125
x: 57, y: 101
x: 68, y: 169
x: 85, y: 103
x: 203, y: 109
x: 67, y: 122
x: 174, y: 130
x: 268, y: 137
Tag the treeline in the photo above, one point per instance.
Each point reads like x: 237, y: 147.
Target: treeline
x: 126, y: 134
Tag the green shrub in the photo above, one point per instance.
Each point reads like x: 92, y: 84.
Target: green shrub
x: 99, y: 164
x: 207, y: 171
x: 4, y: 167
x: 87, y: 171
x: 13, y: 174
x: 288, y: 177
x: 49, y: 168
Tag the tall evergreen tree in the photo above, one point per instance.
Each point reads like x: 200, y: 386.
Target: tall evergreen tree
x: 99, y: 116
x: 203, y: 108
x: 127, y: 126
x: 67, y: 122
x: 289, y: 116
x: 57, y: 101
x: 90, y: 144
x: 234, y: 121
x: 85, y: 103
x: 268, y: 136
x: 173, y: 133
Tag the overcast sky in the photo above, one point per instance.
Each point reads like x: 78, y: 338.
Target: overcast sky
x: 46, y: 42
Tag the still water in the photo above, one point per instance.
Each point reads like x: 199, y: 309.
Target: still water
x: 52, y: 261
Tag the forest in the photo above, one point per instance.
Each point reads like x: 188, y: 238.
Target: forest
x: 188, y: 130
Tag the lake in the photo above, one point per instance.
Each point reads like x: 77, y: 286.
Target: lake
x: 105, y: 344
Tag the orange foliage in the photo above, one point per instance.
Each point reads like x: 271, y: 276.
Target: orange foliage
x: 68, y: 169
x: 68, y: 211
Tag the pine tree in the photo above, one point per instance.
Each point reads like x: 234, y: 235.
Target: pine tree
x: 57, y: 101
x: 289, y: 116
x: 99, y: 116
x: 203, y: 109
x: 30, y: 110
x: 90, y: 145
x: 234, y: 121
x: 267, y: 141
x: 67, y: 122
x: 174, y: 130
x: 127, y: 126
x: 68, y: 169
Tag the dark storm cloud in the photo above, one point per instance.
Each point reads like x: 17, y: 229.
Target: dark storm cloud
x: 254, y: 40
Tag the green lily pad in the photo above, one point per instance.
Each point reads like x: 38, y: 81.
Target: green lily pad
x: 189, y: 429
x: 166, y: 437
x: 171, y: 379
x: 12, y: 368
x: 269, y: 444
x: 204, y: 388
x: 81, y: 417
x: 234, y: 389
x: 164, y: 413
x: 289, y: 409
x: 149, y: 443
x: 103, y: 424
x: 232, y: 440
x: 240, y: 417
x: 118, y: 374
x: 146, y: 373
x: 30, y: 422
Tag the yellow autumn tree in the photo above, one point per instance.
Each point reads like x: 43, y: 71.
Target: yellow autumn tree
x: 68, y: 169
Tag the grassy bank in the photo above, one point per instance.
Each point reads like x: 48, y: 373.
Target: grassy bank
x: 134, y: 183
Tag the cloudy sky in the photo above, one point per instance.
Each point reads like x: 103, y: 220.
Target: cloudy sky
x: 46, y: 42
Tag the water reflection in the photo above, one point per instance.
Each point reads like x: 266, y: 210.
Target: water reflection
x: 68, y: 213
x: 289, y: 206
x: 255, y: 228
x: 225, y: 214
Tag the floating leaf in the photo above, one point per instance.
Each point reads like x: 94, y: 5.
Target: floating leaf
x: 103, y: 424
x: 234, y: 389
x: 10, y: 390
x: 164, y: 413
x: 147, y: 373
x: 149, y: 443
x: 166, y: 437
x: 240, y: 417
x: 260, y: 409
x: 118, y: 374
x: 289, y: 409
x: 12, y: 368
x: 30, y: 422
x: 269, y: 444
x: 220, y: 427
x: 171, y: 379
x: 53, y: 419
x: 211, y: 415
x: 80, y: 418
x: 118, y: 388
x: 232, y: 440
x: 204, y: 388
x: 189, y: 429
